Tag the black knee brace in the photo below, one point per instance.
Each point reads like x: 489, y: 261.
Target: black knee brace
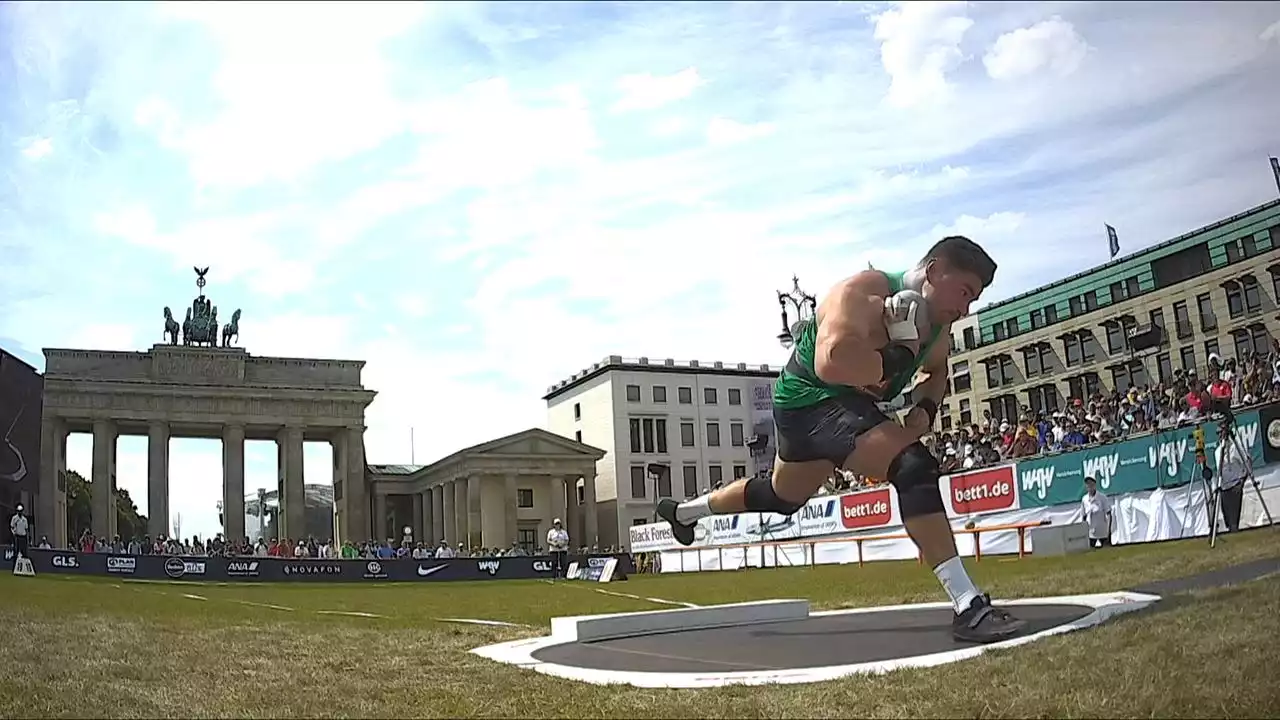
x: 915, y: 474
x: 760, y: 497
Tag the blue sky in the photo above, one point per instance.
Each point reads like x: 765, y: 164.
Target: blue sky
x: 481, y: 199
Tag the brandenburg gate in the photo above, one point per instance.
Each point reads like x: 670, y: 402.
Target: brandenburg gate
x: 197, y: 385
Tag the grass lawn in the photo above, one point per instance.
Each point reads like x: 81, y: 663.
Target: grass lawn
x: 111, y: 648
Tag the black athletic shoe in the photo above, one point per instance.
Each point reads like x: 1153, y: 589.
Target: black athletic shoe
x: 982, y: 622
x: 667, y: 511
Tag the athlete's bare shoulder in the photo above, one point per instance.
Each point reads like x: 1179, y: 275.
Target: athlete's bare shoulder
x: 864, y: 283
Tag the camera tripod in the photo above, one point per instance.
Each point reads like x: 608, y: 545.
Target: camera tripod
x: 1212, y: 490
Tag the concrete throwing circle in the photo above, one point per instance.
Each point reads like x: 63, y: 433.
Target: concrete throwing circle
x: 780, y: 641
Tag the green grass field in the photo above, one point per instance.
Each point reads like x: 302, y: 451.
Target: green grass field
x: 111, y: 648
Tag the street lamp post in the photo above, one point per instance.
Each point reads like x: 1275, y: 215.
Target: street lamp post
x: 805, y: 307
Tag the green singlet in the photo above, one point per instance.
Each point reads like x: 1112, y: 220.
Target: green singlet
x: 792, y: 391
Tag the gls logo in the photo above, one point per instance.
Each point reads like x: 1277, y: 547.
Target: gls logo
x: 65, y: 561
x: 489, y: 566
x: 541, y: 566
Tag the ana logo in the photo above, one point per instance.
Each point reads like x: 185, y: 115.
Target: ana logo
x: 489, y: 566
x: 983, y: 491
x: 424, y: 571
x: 242, y: 568
x: 174, y: 567
x: 865, y: 510
x: 121, y: 564
x: 818, y: 511
x: 65, y: 561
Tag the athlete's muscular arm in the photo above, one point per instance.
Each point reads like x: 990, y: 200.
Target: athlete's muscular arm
x: 851, y: 330
x: 933, y: 386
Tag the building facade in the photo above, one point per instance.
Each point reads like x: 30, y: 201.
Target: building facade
x: 1134, y: 321
x: 668, y: 429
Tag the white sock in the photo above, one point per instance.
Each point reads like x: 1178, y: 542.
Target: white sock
x: 956, y: 582
x: 692, y: 510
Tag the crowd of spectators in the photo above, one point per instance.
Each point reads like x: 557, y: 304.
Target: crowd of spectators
x: 1104, y: 417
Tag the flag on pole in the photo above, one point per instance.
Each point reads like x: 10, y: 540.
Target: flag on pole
x: 1275, y: 170
x: 1113, y: 240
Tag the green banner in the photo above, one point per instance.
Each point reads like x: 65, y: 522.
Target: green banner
x: 1162, y: 459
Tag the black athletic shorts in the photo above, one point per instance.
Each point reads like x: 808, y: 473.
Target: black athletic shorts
x: 827, y: 430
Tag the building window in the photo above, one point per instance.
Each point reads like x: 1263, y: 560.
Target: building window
x: 1004, y: 407
x: 686, y: 434
x: 577, y: 435
x: 648, y: 435
x: 1118, y: 292
x: 577, y: 411
x: 1043, y: 399
x: 1204, y: 305
x: 1252, y: 295
x: 713, y: 434
x: 966, y: 414
x: 1187, y: 358
x: 1128, y: 375
x: 1157, y: 321
x: 1038, y: 360
x: 1249, y: 244
x: 1211, y: 348
x: 960, y: 379
x: 638, y: 482
x: 1037, y: 319
x: 1235, y: 299
x: 1011, y: 326
x: 735, y: 396
x: 1073, y: 348
x: 1076, y: 305
x: 684, y: 395
x: 527, y: 539
x: 969, y: 341
x: 1091, y: 300
x: 524, y: 497
x: 709, y: 396
x: 1050, y: 314
x: 715, y: 474
x: 735, y: 435
x: 691, y: 481
x: 1261, y: 339
x: 1115, y: 338
x: 1182, y: 320
x: 1275, y: 277
x: 659, y: 393
x: 1243, y: 343
x: 1133, y: 287
x: 1164, y: 368
x: 999, y: 371
x: 633, y: 393
x: 663, y: 481
x: 739, y: 471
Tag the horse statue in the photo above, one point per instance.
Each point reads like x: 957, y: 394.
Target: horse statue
x: 231, y: 329
x: 201, y: 325
x: 171, y: 327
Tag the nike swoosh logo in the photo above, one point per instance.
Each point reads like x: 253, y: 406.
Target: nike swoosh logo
x: 423, y: 571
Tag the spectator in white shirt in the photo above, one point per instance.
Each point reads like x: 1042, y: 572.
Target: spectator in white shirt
x: 1232, y: 470
x: 1097, y: 514
x: 558, y: 544
x: 444, y: 551
x: 18, y: 527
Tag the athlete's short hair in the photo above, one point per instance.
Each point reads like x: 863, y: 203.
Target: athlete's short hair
x: 965, y: 254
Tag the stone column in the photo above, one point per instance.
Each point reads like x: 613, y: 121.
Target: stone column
x: 493, y: 513
x: 573, y: 523
x: 292, y: 511
x: 590, y: 530
x: 379, y: 524
x: 233, y: 483
x: 511, y: 499
x: 437, y: 514
x: 461, y: 528
x: 157, y: 478
x: 428, y: 527
x: 556, y: 488
x: 355, y: 486
x: 448, y: 512
x: 51, y: 505
x: 341, y: 530
x: 104, y: 462
x: 419, y: 518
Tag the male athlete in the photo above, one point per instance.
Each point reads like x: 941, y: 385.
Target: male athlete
x: 868, y: 339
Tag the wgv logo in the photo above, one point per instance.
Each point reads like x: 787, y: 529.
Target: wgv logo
x: 1247, y: 436
x: 1039, y: 480
x: 1101, y: 468
x: 1169, y: 454
x: 489, y: 566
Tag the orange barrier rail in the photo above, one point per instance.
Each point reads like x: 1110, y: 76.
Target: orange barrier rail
x: 1021, y: 529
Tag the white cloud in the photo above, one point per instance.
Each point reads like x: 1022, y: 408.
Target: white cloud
x: 1272, y: 32
x: 723, y: 131
x: 645, y: 91
x: 920, y: 46
x: 1052, y: 45
x: 36, y: 148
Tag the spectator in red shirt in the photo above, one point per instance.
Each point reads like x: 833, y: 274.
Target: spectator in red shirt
x: 1197, y: 398
x: 1220, y: 389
